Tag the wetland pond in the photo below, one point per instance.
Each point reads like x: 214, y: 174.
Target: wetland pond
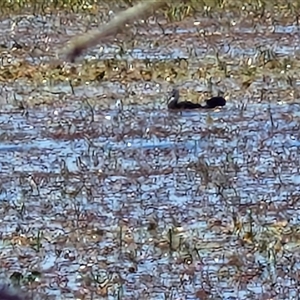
x: 133, y: 201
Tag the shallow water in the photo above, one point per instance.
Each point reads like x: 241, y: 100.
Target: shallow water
x: 143, y: 203
x: 134, y: 165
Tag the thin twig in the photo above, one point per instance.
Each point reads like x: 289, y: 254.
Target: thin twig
x: 113, y: 27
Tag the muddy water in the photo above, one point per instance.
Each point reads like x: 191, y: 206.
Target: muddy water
x: 137, y: 202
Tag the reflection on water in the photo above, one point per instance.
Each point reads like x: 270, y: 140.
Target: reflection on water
x: 137, y: 165
x: 152, y: 201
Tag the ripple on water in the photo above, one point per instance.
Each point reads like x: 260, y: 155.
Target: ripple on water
x: 113, y: 196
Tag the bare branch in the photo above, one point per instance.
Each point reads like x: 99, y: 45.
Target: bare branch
x: 94, y: 37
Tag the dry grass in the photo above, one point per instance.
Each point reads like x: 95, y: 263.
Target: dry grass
x: 136, y: 202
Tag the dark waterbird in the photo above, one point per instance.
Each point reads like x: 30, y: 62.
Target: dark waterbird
x: 210, y: 103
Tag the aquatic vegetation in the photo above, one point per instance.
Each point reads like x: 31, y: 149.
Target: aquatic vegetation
x: 107, y: 193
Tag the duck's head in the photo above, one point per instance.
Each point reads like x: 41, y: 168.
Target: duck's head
x: 173, y: 98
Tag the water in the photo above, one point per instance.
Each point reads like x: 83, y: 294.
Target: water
x: 139, y: 201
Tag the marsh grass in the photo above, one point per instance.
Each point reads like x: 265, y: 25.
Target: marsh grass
x: 89, y: 209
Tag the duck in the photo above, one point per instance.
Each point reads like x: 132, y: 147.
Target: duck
x: 173, y: 103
